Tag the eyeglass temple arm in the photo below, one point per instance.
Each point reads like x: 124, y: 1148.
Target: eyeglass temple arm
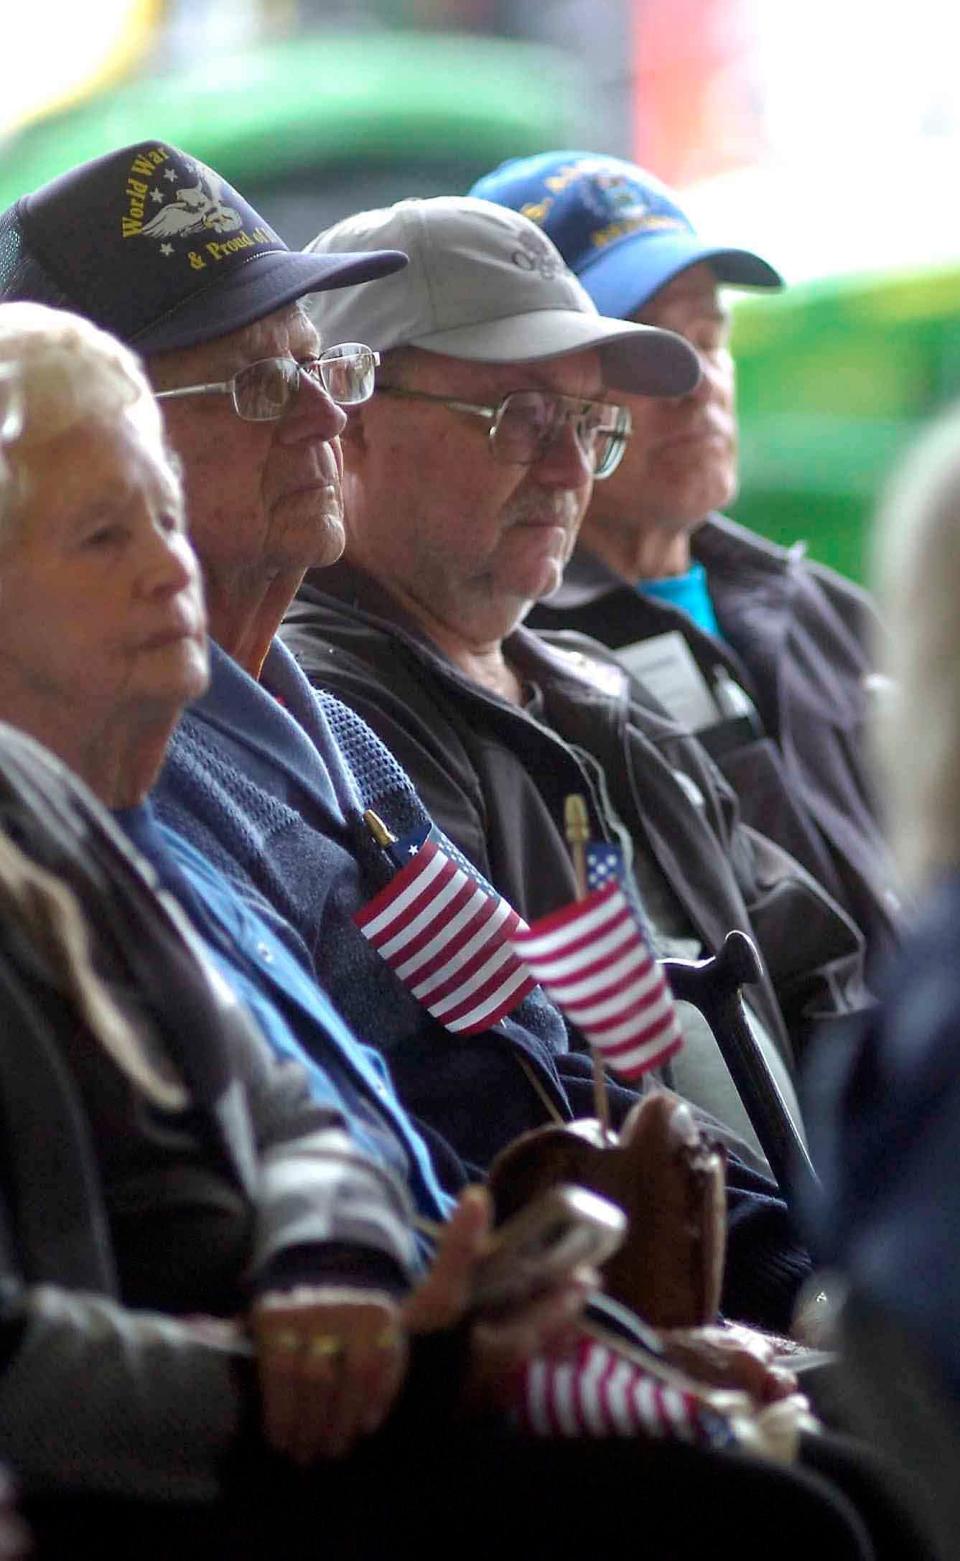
x: 193, y: 390
x: 446, y: 401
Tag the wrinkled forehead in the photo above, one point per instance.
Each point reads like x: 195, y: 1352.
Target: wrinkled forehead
x: 286, y: 333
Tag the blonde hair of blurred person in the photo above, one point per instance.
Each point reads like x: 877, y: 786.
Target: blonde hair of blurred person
x: 917, y: 727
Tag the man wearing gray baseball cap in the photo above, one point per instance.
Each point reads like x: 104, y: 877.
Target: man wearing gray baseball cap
x: 488, y: 287
x: 465, y: 479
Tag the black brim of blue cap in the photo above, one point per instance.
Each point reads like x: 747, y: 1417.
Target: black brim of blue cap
x: 624, y: 277
x: 266, y: 283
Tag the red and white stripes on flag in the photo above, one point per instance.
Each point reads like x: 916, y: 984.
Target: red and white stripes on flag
x: 596, y: 1392
x: 594, y: 961
x: 448, y: 937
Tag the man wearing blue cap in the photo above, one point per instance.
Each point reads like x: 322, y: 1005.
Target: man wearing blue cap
x: 762, y: 653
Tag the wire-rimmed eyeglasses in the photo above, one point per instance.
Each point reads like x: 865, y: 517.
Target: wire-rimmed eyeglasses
x: 263, y: 390
x: 527, y: 422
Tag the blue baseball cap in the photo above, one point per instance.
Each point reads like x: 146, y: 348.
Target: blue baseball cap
x: 615, y: 225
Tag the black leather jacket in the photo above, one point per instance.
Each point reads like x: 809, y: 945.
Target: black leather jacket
x: 799, y: 639
x: 494, y: 777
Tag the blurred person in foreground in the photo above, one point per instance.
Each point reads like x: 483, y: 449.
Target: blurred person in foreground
x: 465, y: 479
x: 769, y: 655
x: 210, y: 1274
x: 890, y: 1109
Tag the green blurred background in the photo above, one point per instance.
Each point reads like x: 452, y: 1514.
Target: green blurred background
x: 316, y: 109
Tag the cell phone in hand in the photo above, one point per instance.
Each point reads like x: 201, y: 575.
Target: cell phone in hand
x: 561, y: 1229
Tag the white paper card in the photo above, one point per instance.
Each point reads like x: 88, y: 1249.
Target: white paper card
x: 666, y: 665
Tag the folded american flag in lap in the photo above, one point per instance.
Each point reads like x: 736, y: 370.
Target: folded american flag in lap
x: 596, y: 1392
x: 447, y: 934
x: 594, y: 960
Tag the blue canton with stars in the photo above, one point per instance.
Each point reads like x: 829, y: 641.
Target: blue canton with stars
x: 604, y: 864
x: 407, y: 847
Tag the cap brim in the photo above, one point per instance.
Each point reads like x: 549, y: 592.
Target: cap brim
x: 267, y: 283
x: 625, y: 277
x: 637, y: 358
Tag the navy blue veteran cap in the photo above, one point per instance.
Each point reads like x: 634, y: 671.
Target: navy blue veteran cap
x: 615, y: 225
x: 157, y: 248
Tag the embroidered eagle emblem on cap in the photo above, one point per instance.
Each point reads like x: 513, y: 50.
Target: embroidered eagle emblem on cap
x: 194, y: 209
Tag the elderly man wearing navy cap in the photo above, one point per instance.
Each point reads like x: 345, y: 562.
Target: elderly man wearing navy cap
x: 761, y: 652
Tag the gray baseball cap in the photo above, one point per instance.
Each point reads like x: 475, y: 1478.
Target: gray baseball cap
x: 484, y: 283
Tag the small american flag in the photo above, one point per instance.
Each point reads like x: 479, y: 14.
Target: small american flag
x: 596, y: 1392
x: 447, y: 935
x: 604, y: 864
x: 594, y: 960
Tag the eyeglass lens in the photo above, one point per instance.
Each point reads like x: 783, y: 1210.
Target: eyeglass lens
x: 348, y: 372
x: 530, y: 420
x: 262, y: 390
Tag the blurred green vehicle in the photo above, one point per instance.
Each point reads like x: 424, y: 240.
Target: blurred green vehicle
x: 314, y: 127
x: 834, y: 376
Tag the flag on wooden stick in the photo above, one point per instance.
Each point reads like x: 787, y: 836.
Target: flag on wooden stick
x: 446, y: 933
x: 594, y: 960
x: 598, y: 1392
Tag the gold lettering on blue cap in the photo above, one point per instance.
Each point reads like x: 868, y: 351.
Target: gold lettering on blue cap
x: 600, y: 237
x: 145, y: 164
x: 567, y: 175
x: 197, y: 261
x: 537, y: 211
x: 221, y: 251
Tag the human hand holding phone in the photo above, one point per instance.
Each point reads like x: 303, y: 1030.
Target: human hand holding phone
x: 528, y: 1317
x: 561, y: 1230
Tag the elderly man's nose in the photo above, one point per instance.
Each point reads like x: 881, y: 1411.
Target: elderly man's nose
x: 313, y: 410
x: 564, y: 463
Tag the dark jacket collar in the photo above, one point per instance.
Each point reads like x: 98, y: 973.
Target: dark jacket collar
x: 718, y: 543
x: 530, y: 654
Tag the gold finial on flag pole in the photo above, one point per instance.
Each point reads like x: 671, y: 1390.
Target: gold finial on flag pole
x: 576, y: 827
x: 379, y: 830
